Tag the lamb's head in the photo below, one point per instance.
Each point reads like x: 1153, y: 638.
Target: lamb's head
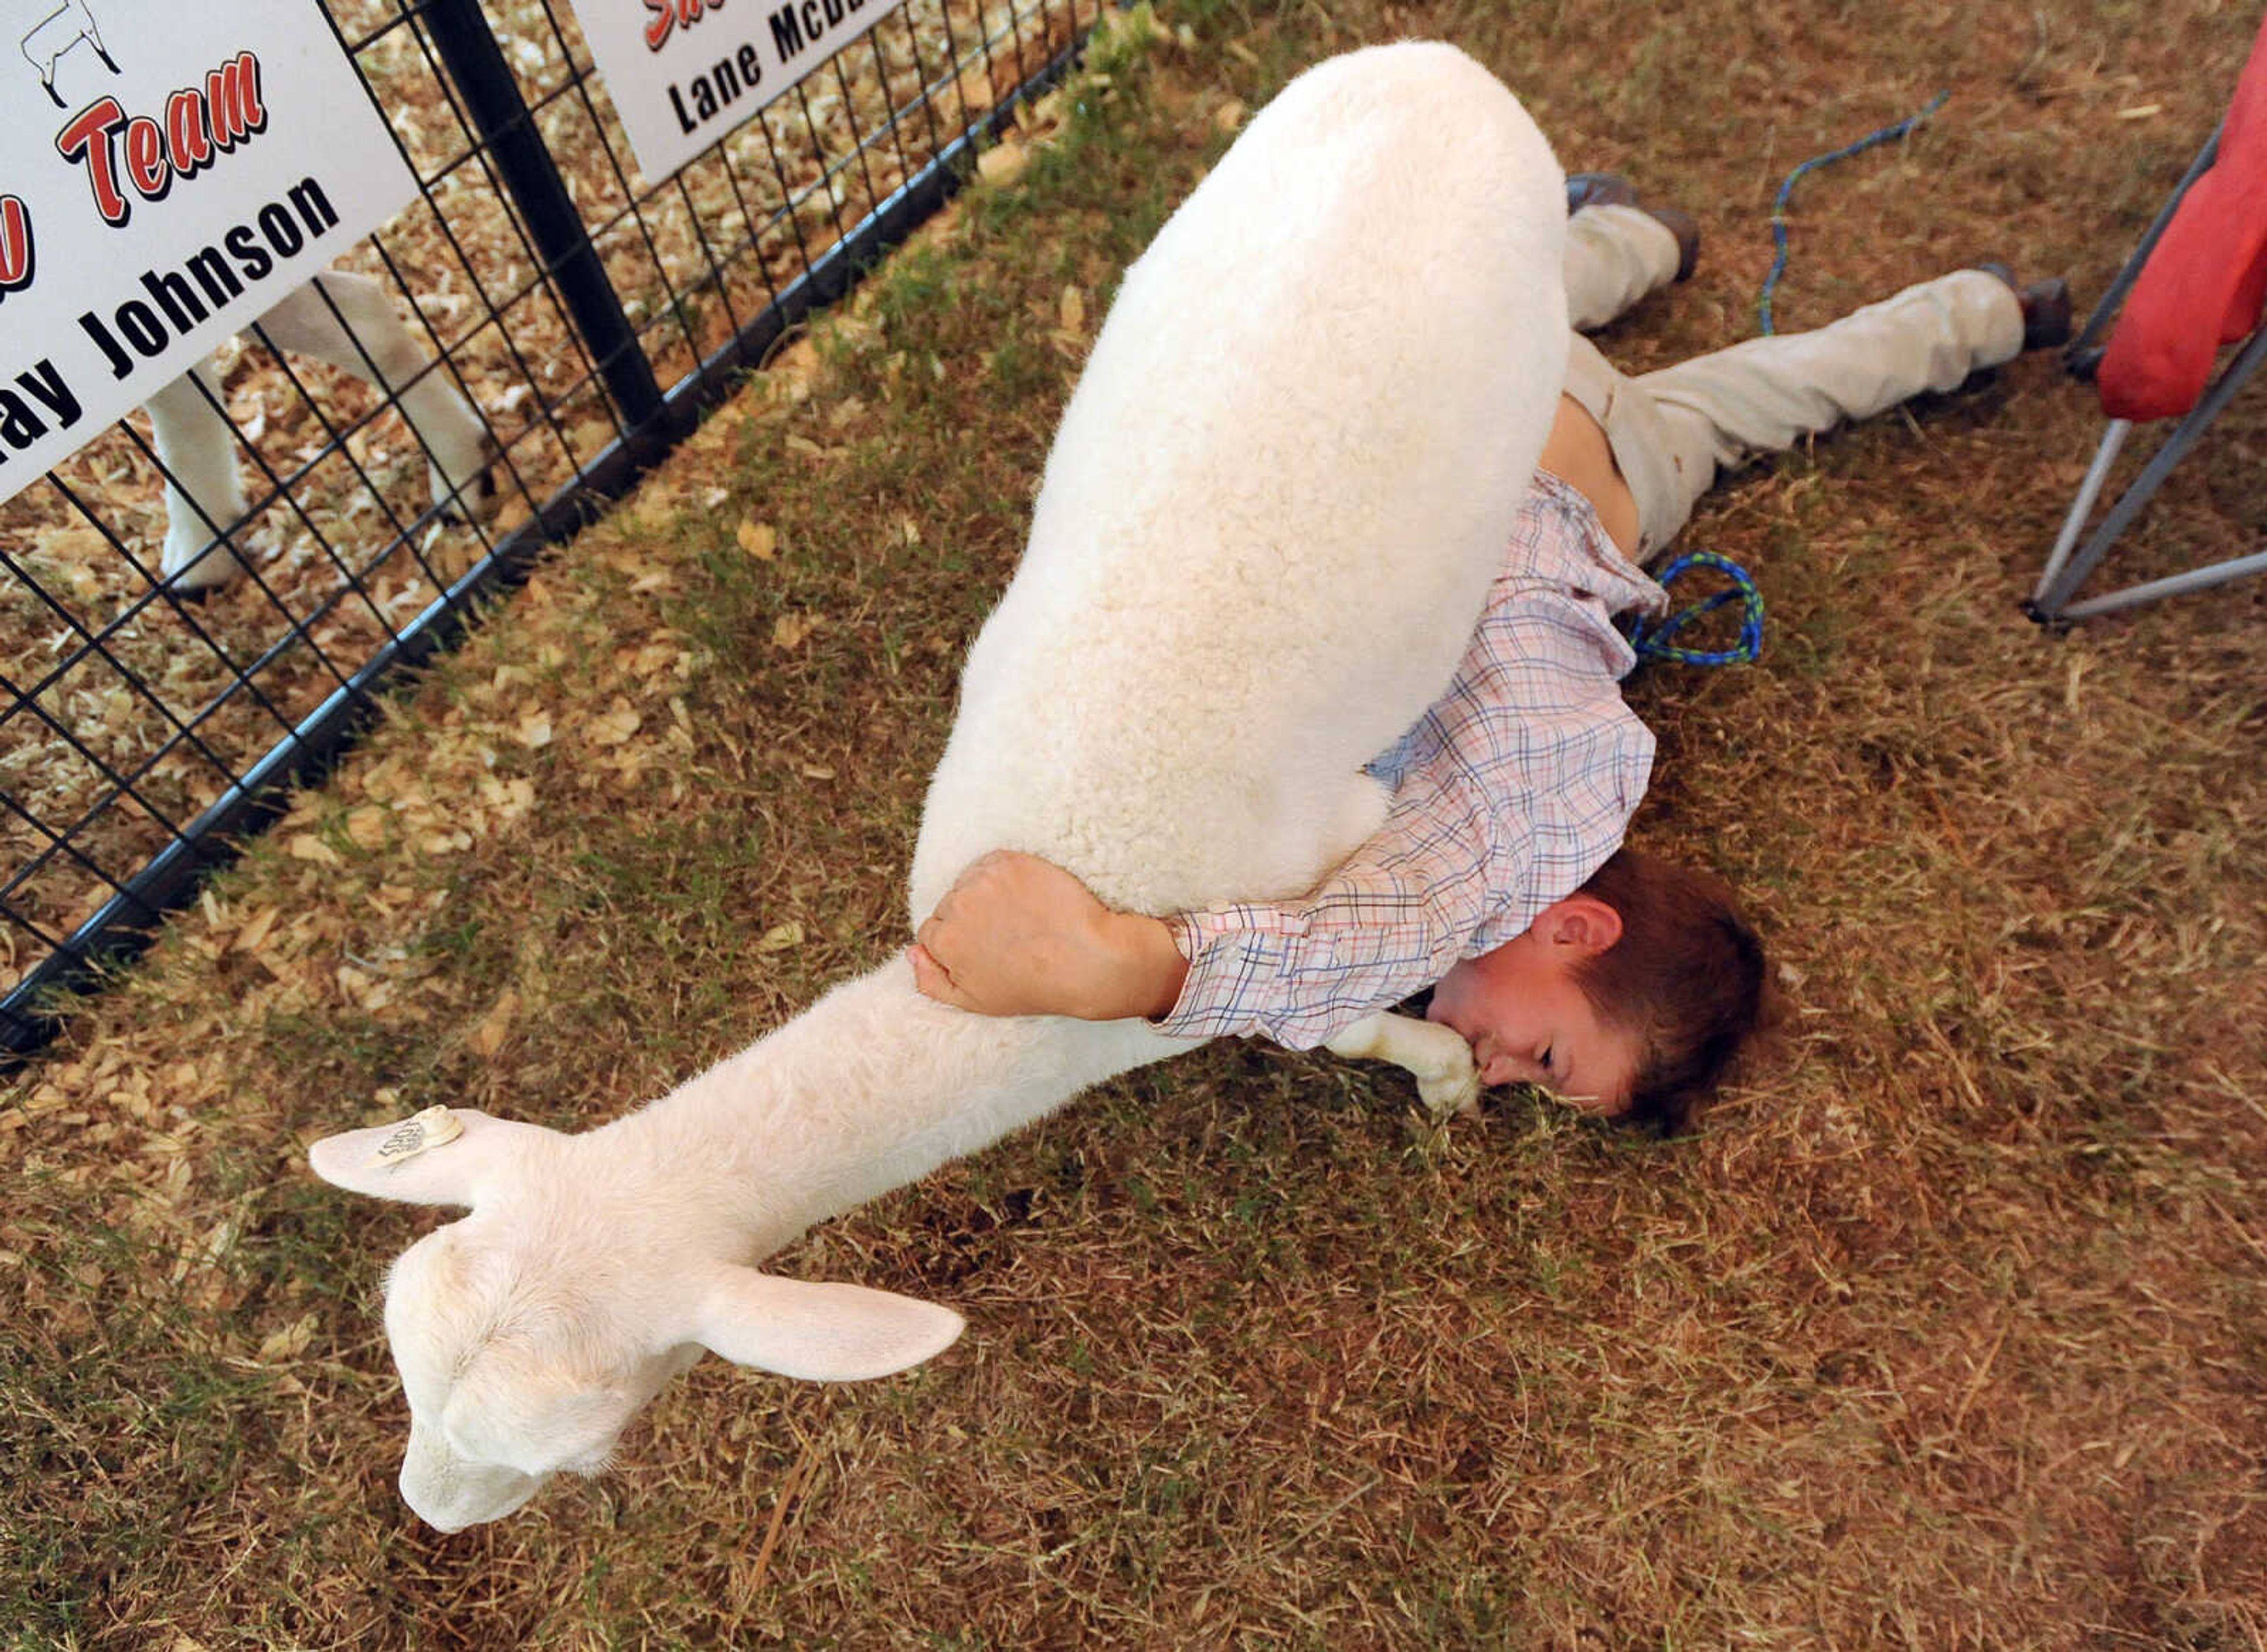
x: 531, y: 1333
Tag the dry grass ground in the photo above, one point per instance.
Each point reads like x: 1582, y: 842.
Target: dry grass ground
x: 1950, y: 1329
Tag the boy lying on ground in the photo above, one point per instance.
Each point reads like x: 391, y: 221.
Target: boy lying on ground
x: 1621, y: 981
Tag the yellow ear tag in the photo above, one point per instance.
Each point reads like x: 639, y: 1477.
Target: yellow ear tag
x: 436, y: 1127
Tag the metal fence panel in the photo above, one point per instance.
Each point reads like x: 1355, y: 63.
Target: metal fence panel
x: 482, y: 373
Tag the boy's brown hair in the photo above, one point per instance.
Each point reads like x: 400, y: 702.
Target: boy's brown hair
x: 1687, y: 977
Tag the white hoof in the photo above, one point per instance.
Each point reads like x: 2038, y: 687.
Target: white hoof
x: 462, y: 477
x: 1455, y: 1091
x: 1435, y: 1056
x: 194, y: 569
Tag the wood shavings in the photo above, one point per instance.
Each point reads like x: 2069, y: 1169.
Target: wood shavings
x: 253, y: 935
x: 366, y: 826
x: 305, y: 845
x: 1004, y: 161
x: 281, y: 1348
x: 496, y: 1027
x: 614, y: 725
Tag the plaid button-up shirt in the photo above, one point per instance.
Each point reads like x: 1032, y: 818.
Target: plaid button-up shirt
x: 1509, y: 792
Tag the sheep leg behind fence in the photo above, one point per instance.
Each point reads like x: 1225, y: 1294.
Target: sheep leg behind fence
x: 204, y: 500
x: 348, y: 322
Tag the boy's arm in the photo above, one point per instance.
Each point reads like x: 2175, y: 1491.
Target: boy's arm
x: 1390, y: 922
x: 1017, y: 936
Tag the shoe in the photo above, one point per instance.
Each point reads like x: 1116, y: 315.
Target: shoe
x: 1598, y: 190
x: 1686, y: 229
x: 2045, y: 305
x: 1612, y: 189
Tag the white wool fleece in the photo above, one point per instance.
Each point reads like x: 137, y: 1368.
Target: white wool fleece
x: 1268, y: 528
x: 1276, y: 500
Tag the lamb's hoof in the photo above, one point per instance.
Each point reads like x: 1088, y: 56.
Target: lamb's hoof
x: 211, y: 571
x: 475, y: 500
x: 1446, y: 1093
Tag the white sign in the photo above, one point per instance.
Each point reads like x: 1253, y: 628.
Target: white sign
x: 683, y: 73
x: 169, y: 170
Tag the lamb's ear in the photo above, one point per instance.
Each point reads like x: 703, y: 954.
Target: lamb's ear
x: 451, y: 1171
x: 822, y: 1333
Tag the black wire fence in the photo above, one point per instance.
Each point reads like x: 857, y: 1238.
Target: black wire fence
x: 506, y: 355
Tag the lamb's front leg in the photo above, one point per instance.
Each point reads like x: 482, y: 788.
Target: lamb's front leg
x: 1436, y: 1056
x: 357, y: 328
x: 204, y: 501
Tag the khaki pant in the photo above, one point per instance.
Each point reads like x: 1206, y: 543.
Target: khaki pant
x: 1673, y: 431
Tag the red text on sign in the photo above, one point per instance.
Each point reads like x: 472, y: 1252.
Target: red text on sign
x: 15, y: 244
x: 668, y: 14
x: 119, y: 150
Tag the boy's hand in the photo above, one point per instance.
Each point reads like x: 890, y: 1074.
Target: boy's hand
x: 1017, y: 936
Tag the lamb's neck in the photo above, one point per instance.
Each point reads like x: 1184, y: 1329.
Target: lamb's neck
x: 870, y: 1087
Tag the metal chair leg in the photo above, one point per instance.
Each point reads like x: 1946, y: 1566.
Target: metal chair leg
x: 2113, y: 441
x: 2052, y: 597
x: 2171, y: 585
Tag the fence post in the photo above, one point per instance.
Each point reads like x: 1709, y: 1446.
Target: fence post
x: 500, y: 116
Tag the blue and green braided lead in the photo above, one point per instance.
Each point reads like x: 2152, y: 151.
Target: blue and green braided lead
x: 1651, y: 640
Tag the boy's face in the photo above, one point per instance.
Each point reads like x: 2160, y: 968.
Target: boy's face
x: 1528, y: 1020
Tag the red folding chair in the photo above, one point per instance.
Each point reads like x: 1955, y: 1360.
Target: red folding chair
x: 2196, y: 282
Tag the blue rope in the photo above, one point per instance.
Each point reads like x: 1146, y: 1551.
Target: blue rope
x: 1652, y: 640
x: 1887, y: 135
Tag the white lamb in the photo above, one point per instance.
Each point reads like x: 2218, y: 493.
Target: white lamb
x: 1268, y: 528
x: 355, y: 329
